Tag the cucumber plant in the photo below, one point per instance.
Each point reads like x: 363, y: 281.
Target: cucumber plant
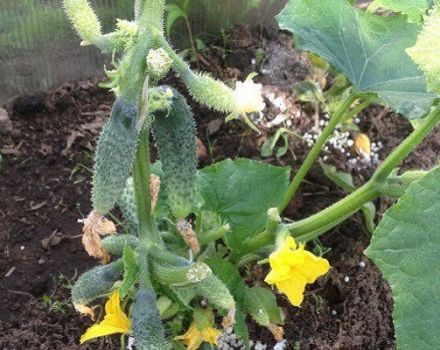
x: 177, y: 259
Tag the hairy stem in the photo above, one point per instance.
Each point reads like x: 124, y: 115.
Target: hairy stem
x: 316, y: 150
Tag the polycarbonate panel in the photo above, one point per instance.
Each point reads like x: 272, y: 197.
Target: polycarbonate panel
x: 38, y: 49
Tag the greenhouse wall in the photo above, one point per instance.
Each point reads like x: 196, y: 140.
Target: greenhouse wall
x: 38, y: 49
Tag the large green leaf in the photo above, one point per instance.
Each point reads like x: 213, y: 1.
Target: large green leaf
x: 368, y: 49
x: 414, y: 9
x: 426, y: 52
x: 406, y: 247
x: 241, y: 192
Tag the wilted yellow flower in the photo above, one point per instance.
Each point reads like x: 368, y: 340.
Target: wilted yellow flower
x: 292, y: 268
x: 95, y: 226
x: 115, y: 321
x: 201, y: 330
x: 362, y: 146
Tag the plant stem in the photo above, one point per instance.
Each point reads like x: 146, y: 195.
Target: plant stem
x: 407, y: 146
x: 323, y: 221
x: 191, y: 38
x: 316, y: 149
x: 141, y: 178
x: 319, y: 223
x: 359, y: 108
x: 328, y: 218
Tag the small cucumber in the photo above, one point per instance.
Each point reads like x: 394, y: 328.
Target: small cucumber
x: 175, y: 135
x: 114, y: 156
x: 96, y: 282
x: 114, y: 244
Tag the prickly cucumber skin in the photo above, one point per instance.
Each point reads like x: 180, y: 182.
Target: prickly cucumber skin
x: 114, y: 156
x: 114, y: 244
x: 175, y: 134
x: 148, y: 330
x: 96, y: 282
x: 127, y: 204
x: 216, y: 292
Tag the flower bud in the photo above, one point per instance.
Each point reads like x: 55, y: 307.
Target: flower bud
x: 158, y: 63
x: 160, y: 99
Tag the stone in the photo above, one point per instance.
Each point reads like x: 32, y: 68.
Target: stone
x: 5, y: 122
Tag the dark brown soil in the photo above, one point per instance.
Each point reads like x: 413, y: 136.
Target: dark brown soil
x: 44, y: 187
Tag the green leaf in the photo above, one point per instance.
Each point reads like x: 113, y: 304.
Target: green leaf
x: 406, y: 247
x: 369, y: 211
x: 130, y: 270
x: 426, y: 52
x: 414, y: 9
x: 241, y: 192
x: 174, y: 12
x: 339, y: 178
x: 261, y: 304
x: 363, y: 46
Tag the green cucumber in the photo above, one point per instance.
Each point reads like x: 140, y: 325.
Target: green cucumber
x: 114, y: 244
x: 216, y: 292
x: 96, y: 282
x: 114, y: 156
x: 148, y: 330
x: 127, y: 204
x: 175, y: 134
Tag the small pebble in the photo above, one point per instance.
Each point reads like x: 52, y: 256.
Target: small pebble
x: 41, y: 261
x: 334, y: 313
x: 346, y: 279
x: 362, y: 264
x: 22, y: 247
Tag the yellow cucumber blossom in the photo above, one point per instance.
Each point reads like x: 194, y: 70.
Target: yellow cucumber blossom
x: 248, y: 99
x: 292, y: 268
x: 115, y: 321
x: 201, y: 330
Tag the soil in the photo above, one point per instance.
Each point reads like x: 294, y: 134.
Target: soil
x: 45, y: 184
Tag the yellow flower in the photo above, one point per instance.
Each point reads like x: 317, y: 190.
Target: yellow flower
x: 362, y: 146
x: 200, y: 331
x: 248, y: 97
x: 115, y: 321
x: 292, y: 268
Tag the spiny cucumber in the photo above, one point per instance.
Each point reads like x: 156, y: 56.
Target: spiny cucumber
x: 96, y: 282
x: 175, y: 135
x: 115, y: 152
x: 127, y: 204
x: 114, y: 244
x: 216, y: 292
x: 148, y: 330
